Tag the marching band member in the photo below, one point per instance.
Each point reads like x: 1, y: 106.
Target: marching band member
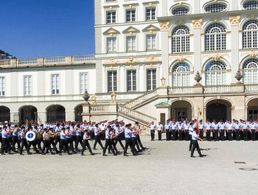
x: 119, y: 132
x: 85, y: 142
x: 97, y: 135
x: 23, y: 140
x: 138, y: 139
x: 46, y: 142
x: 109, y: 133
x: 6, y: 148
x: 128, y: 140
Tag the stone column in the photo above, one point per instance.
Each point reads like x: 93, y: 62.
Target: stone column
x: 234, y: 21
x: 197, y: 45
x: 164, y: 26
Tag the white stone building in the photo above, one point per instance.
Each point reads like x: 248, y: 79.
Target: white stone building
x: 154, y: 60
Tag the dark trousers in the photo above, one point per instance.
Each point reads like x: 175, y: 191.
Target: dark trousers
x: 128, y: 142
x: 53, y: 144
x: 175, y: 135
x: 5, y: 146
x: 119, y: 140
x: 62, y: 145
x: 109, y: 144
x: 221, y: 134
x: 229, y: 134
x: 85, y: 143
x: 253, y: 134
x: 24, y: 144
x: 186, y: 135
x: 34, y: 145
x: 135, y: 144
x: 208, y: 135
x: 195, y: 145
x: 98, y: 140
x: 46, y: 147
x: 138, y: 139
x: 245, y: 133
x: 215, y: 135
x: 159, y: 135
x: 78, y: 140
x: 237, y: 132
x: 167, y: 135
x: 152, y: 133
x: 15, y: 141
x: 201, y: 133
x: 180, y: 134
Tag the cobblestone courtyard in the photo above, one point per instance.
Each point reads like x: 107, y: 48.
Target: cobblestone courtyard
x: 165, y: 168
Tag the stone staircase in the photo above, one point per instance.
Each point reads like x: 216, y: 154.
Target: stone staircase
x: 146, y: 98
x: 134, y: 115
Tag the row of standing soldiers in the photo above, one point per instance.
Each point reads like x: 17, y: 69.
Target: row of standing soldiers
x: 71, y: 138
x: 179, y: 130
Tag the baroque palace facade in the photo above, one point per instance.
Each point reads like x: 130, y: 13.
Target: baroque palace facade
x: 154, y: 60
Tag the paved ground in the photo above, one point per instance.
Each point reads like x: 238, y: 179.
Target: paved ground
x: 165, y: 168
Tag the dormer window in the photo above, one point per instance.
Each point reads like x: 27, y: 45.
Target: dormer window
x: 215, y: 7
x: 180, y: 11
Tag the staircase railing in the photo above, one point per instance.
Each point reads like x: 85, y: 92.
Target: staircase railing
x: 135, y: 115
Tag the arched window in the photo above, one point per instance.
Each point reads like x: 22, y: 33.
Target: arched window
x: 180, y: 39
x: 215, y: 73
x: 250, y: 32
x: 250, y: 4
x: 215, y: 7
x: 180, y: 11
x: 250, y: 70
x: 181, y: 75
x: 215, y: 37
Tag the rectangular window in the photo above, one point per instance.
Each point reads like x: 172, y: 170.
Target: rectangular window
x: 151, y: 79
x: 27, y: 85
x: 150, y: 42
x: 150, y: 13
x: 83, y: 82
x: 130, y: 15
x: 55, y: 84
x: 131, y: 80
x: 112, y: 80
x: 130, y: 43
x: 111, y: 44
x: 2, y: 86
x: 110, y: 17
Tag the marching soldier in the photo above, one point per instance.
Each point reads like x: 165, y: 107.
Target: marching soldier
x: 109, y: 133
x: 97, y: 136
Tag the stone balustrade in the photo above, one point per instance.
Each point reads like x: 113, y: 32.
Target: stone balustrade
x: 48, y: 61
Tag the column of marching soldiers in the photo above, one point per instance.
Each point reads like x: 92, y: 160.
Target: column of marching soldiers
x: 71, y: 138
x: 211, y: 131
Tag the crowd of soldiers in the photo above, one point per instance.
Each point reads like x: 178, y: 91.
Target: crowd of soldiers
x: 211, y: 131
x: 70, y: 137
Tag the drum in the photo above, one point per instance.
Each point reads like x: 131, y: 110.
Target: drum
x: 30, y: 136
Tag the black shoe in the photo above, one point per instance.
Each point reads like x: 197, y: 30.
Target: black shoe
x: 104, y: 155
x: 92, y: 154
x: 192, y: 156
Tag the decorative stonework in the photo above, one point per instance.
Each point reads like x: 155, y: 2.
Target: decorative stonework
x: 113, y: 97
x: 181, y: 59
x: 234, y: 20
x: 253, y: 54
x: 197, y: 23
x: 238, y: 76
x: 164, y: 25
x: 93, y: 99
x: 197, y: 77
x: 216, y: 57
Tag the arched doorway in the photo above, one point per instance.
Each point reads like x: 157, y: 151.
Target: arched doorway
x: 4, y: 114
x: 55, y: 113
x: 27, y: 113
x: 78, y: 113
x: 181, y: 110
x: 218, y: 110
x: 252, y: 109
